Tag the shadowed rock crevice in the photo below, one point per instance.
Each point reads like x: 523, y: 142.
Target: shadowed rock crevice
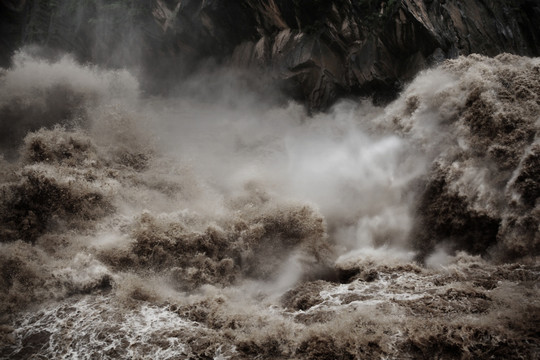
x: 318, y: 50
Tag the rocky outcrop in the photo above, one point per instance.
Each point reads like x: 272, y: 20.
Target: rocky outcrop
x: 318, y: 49
x: 324, y: 49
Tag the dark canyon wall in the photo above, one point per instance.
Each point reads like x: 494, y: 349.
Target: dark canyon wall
x: 318, y: 50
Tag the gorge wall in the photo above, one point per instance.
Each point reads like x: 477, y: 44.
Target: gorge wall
x: 161, y: 195
x: 318, y: 51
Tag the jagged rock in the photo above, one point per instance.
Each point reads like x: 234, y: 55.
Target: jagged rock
x: 320, y: 50
x: 324, y: 49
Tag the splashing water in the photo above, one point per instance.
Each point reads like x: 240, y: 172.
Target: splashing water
x: 238, y: 228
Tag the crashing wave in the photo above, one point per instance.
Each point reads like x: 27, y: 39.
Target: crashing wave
x: 260, y: 231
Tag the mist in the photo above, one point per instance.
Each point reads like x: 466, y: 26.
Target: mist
x: 257, y: 226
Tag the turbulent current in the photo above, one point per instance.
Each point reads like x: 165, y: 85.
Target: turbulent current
x: 219, y: 223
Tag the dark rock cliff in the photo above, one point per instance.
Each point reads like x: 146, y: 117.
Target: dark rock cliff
x: 324, y: 49
x: 320, y: 49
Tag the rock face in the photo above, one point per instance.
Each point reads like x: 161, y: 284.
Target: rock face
x: 329, y: 48
x: 320, y: 49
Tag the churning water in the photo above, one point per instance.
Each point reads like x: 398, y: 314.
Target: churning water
x: 226, y: 225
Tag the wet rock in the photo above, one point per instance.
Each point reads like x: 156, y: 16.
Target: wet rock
x: 318, y: 52
x: 337, y: 47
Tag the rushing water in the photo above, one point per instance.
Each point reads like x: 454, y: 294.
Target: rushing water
x: 222, y: 224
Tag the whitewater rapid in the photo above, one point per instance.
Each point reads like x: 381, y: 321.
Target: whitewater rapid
x: 232, y: 226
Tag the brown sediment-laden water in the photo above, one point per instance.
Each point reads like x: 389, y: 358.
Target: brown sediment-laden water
x: 232, y: 226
